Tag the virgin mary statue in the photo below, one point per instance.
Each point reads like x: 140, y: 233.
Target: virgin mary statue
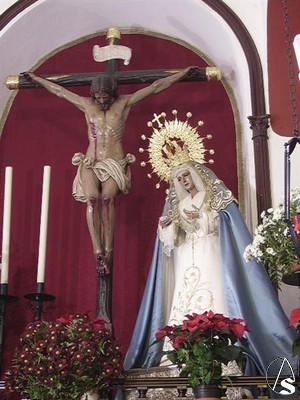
x: 198, y: 262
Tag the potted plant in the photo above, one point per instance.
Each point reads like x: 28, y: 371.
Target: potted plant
x: 271, y: 244
x: 201, y: 344
x: 295, y: 320
x: 64, y: 359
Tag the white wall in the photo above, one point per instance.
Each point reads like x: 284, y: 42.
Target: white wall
x: 5, y: 4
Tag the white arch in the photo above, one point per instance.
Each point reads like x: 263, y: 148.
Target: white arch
x: 49, y: 24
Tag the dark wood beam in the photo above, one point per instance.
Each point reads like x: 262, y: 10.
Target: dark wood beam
x: 123, y: 77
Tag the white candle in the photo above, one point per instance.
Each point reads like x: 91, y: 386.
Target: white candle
x: 6, y: 224
x: 43, y: 225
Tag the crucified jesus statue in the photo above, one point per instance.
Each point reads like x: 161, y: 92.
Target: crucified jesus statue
x: 103, y: 171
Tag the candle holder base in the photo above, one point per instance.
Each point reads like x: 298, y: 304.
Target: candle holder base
x: 7, y: 298
x: 38, y: 298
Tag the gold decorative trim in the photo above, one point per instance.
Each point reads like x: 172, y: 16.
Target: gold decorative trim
x: 172, y: 143
x: 113, y: 33
x: 12, y: 82
x: 213, y: 74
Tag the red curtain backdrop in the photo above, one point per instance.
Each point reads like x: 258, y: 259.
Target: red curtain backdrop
x: 278, y: 64
x: 42, y: 129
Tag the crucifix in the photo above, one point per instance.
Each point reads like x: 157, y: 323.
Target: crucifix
x: 103, y: 171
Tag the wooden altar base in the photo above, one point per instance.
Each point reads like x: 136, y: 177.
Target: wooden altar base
x: 164, y: 383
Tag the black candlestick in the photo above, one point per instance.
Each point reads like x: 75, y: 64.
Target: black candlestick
x: 5, y: 298
x: 39, y: 298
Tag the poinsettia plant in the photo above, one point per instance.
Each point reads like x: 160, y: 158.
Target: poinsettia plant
x: 202, y: 343
x: 64, y: 359
x: 295, y: 320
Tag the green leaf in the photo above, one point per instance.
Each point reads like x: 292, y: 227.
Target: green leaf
x: 172, y: 357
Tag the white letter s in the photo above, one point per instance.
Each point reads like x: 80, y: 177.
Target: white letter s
x: 286, y: 383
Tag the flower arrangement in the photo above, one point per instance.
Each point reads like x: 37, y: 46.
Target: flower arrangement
x: 271, y: 244
x: 202, y: 343
x: 64, y: 359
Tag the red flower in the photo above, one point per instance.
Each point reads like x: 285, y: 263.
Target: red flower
x: 166, y: 331
x: 238, y: 328
x: 99, y: 324
x: 77, y: 356
x: 178, y: 341
x: 202, y: 343
x: 295, y: 316
x: 65, y: 357
x: 190, y: 324
x: 161, y: 334
x: 65, y: 319
x: 222, y: 326
x: 61, y: 364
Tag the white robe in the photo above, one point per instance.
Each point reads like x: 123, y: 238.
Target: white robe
x: 198, y: 281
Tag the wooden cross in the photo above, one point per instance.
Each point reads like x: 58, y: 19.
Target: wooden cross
x: 122, y: 77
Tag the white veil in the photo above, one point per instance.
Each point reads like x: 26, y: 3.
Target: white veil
x: 198, y: 182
